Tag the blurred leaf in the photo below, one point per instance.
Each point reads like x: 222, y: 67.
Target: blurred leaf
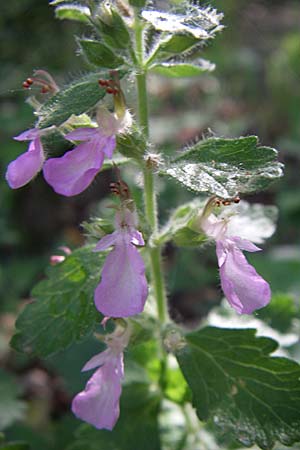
x: 280, y: 312
x: 77, y: 98
x: 177, y: 70
x: 137, y: 427
x: 63, y: 311
x: 180, y: 226
x: 138, y: 3
x: 15, y: 446
x: 11, y: 408
x: 235, y: 381
x: 72, y: 12
x: 99, y: 54
x: 226, y: 167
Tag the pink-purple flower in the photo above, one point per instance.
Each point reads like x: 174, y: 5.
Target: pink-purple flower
x: 73, y: 172
x: 98, y: 403
x: 27, y: 165
x: 243, y: 287
x: 123, y: 290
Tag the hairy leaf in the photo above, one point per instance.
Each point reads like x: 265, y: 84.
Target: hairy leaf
x: 114, y: 30
x: 201, y: 23
x: 226, y: 167
x: 72, y: 12
x: 236, y: 382
x: 181, y: 70
x: 63, y: 310
x: 99, y: 54
x: 76, y: 98
x: 181, y: 228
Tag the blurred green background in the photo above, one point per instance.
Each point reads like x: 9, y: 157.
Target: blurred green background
x: 255, y: 89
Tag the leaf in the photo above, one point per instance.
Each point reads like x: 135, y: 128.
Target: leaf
x: 132, y: 145
x: 137, y: 427
x: 181, y: 228
x: 177, y: 70
x: 11, y: 408
x: 176, y: 44
x: 113, y: 29
x: 15, y: 446
x: 137, y: 3
x: 99, y: 54
x: 236, y: 382
x: 226, y: 167
x: 72, y: 12
x: 78, y: 97
x: 280, y: 312
x: 63, y: 311
x: 201, y: 23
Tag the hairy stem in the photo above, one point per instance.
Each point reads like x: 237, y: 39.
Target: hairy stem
x: 149, y: 190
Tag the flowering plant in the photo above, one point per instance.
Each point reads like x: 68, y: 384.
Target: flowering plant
x: 226, y: 373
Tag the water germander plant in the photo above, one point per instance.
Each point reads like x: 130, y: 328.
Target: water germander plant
x: 152, y: 378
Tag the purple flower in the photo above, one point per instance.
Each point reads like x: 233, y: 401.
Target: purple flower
x: 26, y: 166
x: 123, y: 290
x: 243, y: 287
x: 75, y: 170
x: 98, y: 404
x: 245, y: 290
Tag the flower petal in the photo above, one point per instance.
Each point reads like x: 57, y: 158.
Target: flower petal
x: 137, y: 238
x: 123, y: 290
x: 75, y: 170
x: 106, y: 242
x: 82, y: 134
x: 98, y: 404
x: 97, y: 360
x: 26, y: 166
x: 109, y: 144
x: 243, y: 287
x: 28, y: 135
x: 244, y: 244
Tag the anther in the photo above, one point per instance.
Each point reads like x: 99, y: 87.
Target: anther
x: 236, y: 199
x: 226, y: 202
x: 103, y: 83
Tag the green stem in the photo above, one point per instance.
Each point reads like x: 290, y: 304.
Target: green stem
x: 149, y: 191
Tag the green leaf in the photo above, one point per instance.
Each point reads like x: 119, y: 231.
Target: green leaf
x: 176, y: 44
x: 11, y: 408
x: 181, y: 227
x: 226, y: 167
x: 77, y: 98
x: 181, y: 70
x: 114, y: 30
x: 200, y: 23
x: 236, y: 382
x: 72, y: 12
x: 280, y: 312
x: 15, y: 446
x: 137, y: 3
x: 132, y: 145
x: 63, y: 310
x: 99, y: 54
x: 137, y: 427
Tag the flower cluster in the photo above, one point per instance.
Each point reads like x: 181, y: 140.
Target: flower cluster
x: 98, y: 403
x: 73, y: 172
x: 243, y: 287
x: 123, y: 290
